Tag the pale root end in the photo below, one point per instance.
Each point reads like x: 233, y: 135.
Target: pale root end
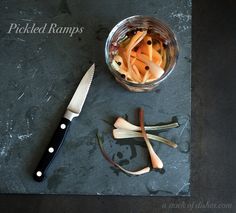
x: 143, y: 171
x: 121, y: 123
x: 156, y: 161
x: 140, y: 172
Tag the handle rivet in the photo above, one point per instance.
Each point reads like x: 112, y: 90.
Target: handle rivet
x: 51, y: 150
x: 63, y: 126
x: 39, y: 173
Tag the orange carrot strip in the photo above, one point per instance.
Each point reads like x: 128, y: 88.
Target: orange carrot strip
x: 134, y: 42
x: 156, y: 57
x: 134, y: 39
x: 144, y: 49
x: 142, y: 57
x: 137, y: 73
x: 148, y: 43
x: 120, y: 70
x: 142, y: 67
x: 133, y: 60
x: 157, y: 46
x: 122, y: 53
x: 139, y: 51
x: 120, y: 62
x: 146, y: 76
x: 155, y: 69
x: 125, y: 42
x: 133, y: 54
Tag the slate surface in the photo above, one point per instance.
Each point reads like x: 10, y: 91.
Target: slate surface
x: 39, y: 74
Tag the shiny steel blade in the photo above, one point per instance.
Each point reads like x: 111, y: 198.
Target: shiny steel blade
x: 81, y: 92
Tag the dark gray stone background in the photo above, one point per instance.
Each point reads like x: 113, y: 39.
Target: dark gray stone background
x: 213, y: 137
x: 39, y: 74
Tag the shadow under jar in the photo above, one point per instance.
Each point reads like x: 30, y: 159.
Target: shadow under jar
x: 154, y: 27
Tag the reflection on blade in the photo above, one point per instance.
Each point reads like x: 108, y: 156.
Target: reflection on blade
x: 81, y: 92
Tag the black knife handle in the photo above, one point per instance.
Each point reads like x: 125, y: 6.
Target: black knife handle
x: 52, y: 149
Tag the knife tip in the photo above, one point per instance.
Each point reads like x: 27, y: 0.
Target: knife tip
x: 92, y: 68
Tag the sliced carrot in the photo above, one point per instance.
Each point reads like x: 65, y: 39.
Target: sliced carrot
x: 146, y: 76
x: 133, y: 59
x: 142, y: 67
x: 139, y: 60
x: 133, y: 54
x: 134, y: 39
x: 120, y: 62
x: 124, y: 42
x: 137, y: 73
x: 142, y: 57
x: 120, y: 70
x: 144, y: 49
x: 157, y: 46
x: 139, y: 50
x: 155, y: 69
x: 133, y: 76
x: 122, y: 53
x: 156, y: 57
x: 148, y: 43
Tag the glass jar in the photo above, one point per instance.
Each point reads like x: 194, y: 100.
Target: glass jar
x: 144, y: 23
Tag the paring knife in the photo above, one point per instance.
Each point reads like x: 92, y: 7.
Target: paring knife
x: 73, y: 110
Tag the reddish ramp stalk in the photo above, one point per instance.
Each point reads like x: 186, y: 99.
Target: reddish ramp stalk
x: 156, y: 161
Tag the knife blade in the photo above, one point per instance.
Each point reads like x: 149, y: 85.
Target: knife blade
x: 73, y: 110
